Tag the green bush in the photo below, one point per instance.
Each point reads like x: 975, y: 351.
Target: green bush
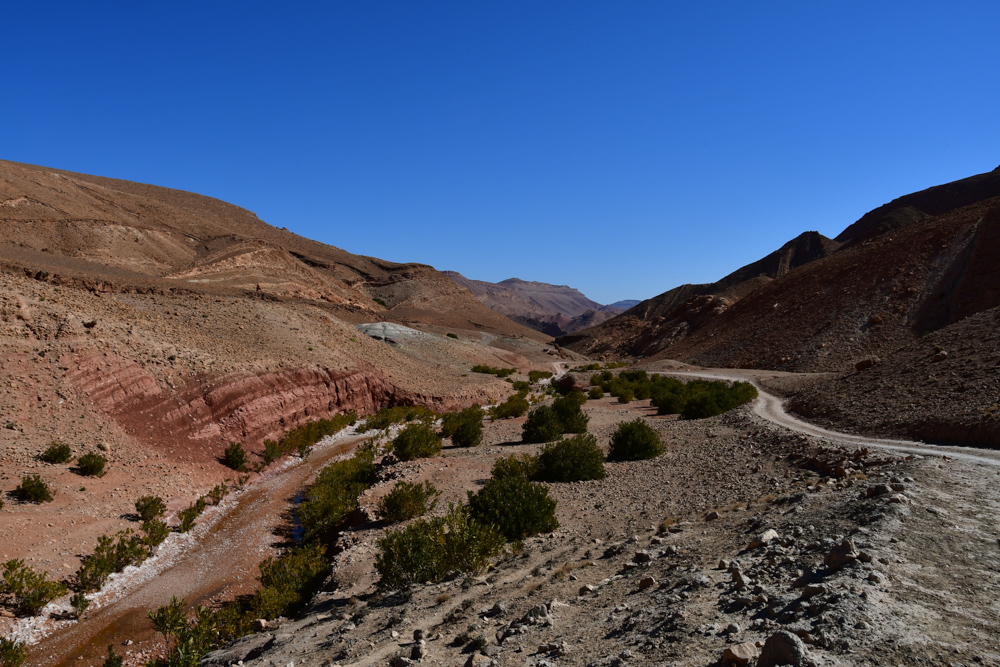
x: 574, y: 459
x: 155, y: 533
x: 150, y: 507
x: 543, y: 425
x: 595, y: 393
x: 56, y: 452
x: 79, y: 603
x: 235, y: 457
x: 33, y: 489
x: 625, y: 395
x: 633, y: 441
x: 386, y: 417
x: 272, y: 452
x: 564, y: 384
x: 515, y: 406
x: 28, y: 590
x: 490, y: 370
x: 451, y: 335
x: 535, y: 376
x: 567, y: 409
x: 427, y: 550
x: 290, y: 580
x: 301, y: 438
x: 465, y: 428
x: 188, y: 516
x: 334, y: 495
x: 517, y: 507
x: 407, y: 501
x: 218, y: 493
x: 524, y: 465
x: 416, y: 441
x: 521, y: 386
x: 91, y: 464
x: 113, y: 659
x: 13, y: 652
x: 114, y: 554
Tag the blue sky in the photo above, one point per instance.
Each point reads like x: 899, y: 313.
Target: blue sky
x: 622, y: 148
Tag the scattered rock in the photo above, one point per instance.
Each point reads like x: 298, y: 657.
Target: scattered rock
x: 711, y: 516
x: 763, y: 539
x: 878, y: 490
x: 740, y: 654
x: 642, y: 557
x: 646, y: 582
x: 841, y: 555
x: 260, y: 625
x: 784, y: 648
x: 588, y: 588
x: 243, y: 649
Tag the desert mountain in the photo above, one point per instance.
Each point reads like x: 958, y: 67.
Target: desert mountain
x: 552, y: 309
x: 922, y: 262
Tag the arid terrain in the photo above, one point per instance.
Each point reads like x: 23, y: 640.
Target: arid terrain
x: 156, y: 327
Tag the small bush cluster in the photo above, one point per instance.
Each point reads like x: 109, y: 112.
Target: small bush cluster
x: 490, y: 370
x: 150, y: 507
x: 597, y: 367
x: 545, y: 423
x: 524, y: 465
x: 56, y: 452
x: 517, y: 507
x: 13, y: 652
x: 407, y: 501
x: 115, y: 553
x: 289, y: 580
x: 334, y: 495
x: 520, y: 385
x: 188, y: 516
x: 575, y: 459
x: 451, y: 335
x: 696, y: 399
x: 91, y: 464
x: 535, y: 376
x: 427, y: 550
x: 33, y: 489
x: 302, y: 438
x: 633, y: 441
x: 465, y: 428
x: 416, y: 441
x: 515, y: 406
x: 399, y: 414
x: 595, y: 393
x: 235, y: 457
x: 28, y: 591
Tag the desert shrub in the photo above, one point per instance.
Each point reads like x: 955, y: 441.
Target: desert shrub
x: 535, y: 376
x: 407, y: 501
x: 33, y: 489
x: 188, y: 516
x: 112, y: 554
x: 521, y: 385
x: 79, y: 603
x: 334, y: 495
x: 272, y: 452
x: 192, y: 638
x: 515, y: 406
x: 564, y: 384
x: 426, y: 550
x: 574, y: 459
x: 416, y: 441
x: 218, y: 493
x: 517, y: 507
x: 634, y: 440
x: 465, y: 428
x: 113, y: 659
x: 155, y: 532
x: 490, y: 370
x: 1, y: 503
x: 301, y: 438
x: 235, y: 457
x: 28, y: 590
x: 91, y: 464
x: 56, y: 452
x: 625, y: 395
x: 543, y: 425
x: 150, y: 507
x: 567, y: 410
x: 524, y: 465
x: 380, y: 302
x: 13, y: 652
x: 289, y: 580
x: 451, y: 335
x: 595, y: 393
x: 386, y: 417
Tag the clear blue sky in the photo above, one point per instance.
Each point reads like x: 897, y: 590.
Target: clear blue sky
x: 619, y: 147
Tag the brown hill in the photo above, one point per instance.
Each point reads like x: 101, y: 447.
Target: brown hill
x: 552, y: 309
x: 112, y: 234
x: 820, y: 305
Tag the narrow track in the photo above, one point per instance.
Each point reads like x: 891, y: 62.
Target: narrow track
x: 772, y: 408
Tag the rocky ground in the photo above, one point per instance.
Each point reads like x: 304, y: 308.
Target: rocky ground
x: 741, y: 543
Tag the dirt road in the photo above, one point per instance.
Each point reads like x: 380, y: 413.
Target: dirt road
x: 219, y: 559
x: 772, y: 408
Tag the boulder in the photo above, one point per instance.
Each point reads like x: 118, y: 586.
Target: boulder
x: 841, y: 555
x: 784, y: 648
x: 740, y: 654
x: 764, y: 538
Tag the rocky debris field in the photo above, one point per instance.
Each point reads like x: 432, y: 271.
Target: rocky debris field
x: 742, y: 544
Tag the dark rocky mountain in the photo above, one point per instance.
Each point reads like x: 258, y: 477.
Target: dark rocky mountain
x: 911, y: 266
x: 552, y: 309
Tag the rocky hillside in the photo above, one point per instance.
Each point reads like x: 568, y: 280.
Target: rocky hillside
x: 552, y: 309
x: 912, y: 266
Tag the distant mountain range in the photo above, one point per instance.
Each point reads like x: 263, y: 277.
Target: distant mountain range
x: 555, y: 310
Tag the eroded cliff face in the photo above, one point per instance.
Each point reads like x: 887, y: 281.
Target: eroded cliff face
x: 211, y: 411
